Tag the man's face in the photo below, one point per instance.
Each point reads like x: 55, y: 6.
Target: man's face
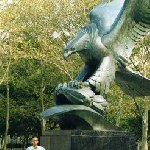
x: 35, y: 142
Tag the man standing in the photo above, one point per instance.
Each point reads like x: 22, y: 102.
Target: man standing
x: 35, y: 146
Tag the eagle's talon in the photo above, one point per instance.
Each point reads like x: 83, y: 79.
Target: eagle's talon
x: 77, y: 84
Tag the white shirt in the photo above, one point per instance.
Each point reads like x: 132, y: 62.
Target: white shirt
x: 38, y: 148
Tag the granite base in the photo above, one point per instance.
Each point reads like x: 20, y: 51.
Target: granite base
x: 87, y: 140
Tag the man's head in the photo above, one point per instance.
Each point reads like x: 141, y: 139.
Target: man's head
x: 83, y: 41
x: 35, y: 141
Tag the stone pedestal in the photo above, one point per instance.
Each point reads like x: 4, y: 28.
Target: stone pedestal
x: 87, y: 140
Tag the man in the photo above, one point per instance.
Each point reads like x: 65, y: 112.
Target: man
x: 35, y: 146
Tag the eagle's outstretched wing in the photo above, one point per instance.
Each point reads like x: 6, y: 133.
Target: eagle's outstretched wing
x: 132, y: 24
x: 133, y: 83
x: 105, y: 14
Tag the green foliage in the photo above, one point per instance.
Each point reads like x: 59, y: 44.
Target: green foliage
x: 32, y: 32
x: 38, y: 30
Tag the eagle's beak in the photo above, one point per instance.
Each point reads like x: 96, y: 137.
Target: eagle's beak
x: 67, y: 53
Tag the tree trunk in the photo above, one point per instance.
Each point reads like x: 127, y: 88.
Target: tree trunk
x: 145, y: 127
x: 7, y: 113
x: 43, y: 122
x: 146, y: 107
x: 119, y: 111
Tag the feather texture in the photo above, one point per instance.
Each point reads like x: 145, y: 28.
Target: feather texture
x: 130, y: 27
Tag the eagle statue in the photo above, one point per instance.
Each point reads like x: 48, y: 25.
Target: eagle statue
x: 105, y: 45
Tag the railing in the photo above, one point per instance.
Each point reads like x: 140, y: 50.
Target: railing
x: 16, y: 143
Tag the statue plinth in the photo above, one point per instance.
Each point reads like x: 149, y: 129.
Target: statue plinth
x: 87, y: 140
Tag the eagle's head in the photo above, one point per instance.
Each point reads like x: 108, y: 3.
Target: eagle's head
x: 85, y: 40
